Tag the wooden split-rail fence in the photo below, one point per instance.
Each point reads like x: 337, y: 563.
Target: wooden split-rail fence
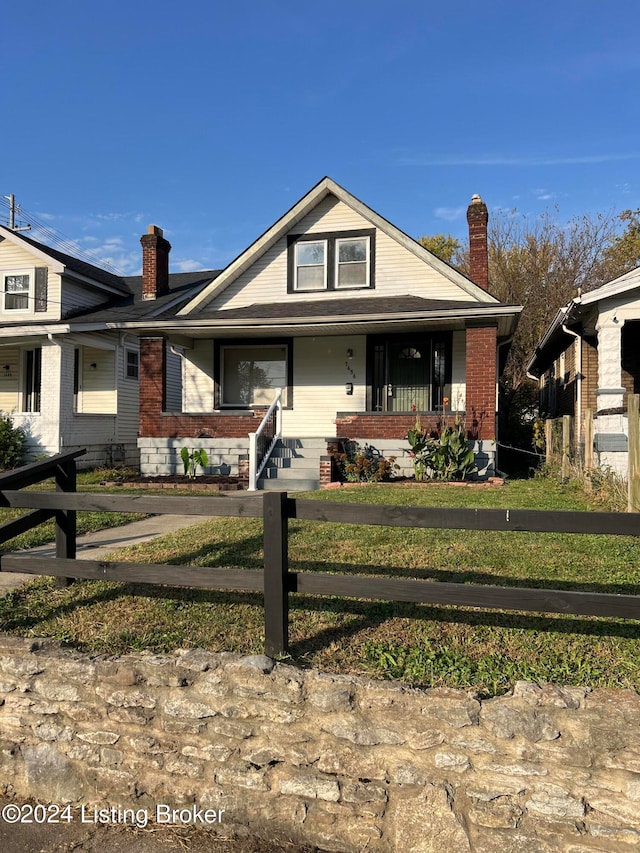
x: 277, y: 581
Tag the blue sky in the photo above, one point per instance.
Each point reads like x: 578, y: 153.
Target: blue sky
x: 211, y: 119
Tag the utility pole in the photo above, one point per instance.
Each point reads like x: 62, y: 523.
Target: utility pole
x: 12, y: 215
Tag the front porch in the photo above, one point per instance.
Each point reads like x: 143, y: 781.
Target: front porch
x: 214, y: 395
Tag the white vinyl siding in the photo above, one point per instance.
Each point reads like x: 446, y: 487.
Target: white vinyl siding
x: 198, y: 377
x: 321, y: 370
x: 14, y: 257
x: 458, y: 372
x: 97, y: 394
x: 9, y: 379
x: 398, y: 272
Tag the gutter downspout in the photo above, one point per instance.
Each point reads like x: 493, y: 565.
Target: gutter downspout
x: 578, y: 337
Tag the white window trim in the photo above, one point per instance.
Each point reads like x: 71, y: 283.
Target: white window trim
x: 31, y: 272
x: 239, y: 405
x: 296, y: 265
x: 367, y: 277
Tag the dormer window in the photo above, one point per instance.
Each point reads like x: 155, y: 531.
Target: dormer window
x: 340, y: 261
x: 311, y: 265
x: 17, y: 290
x: 352, y: 262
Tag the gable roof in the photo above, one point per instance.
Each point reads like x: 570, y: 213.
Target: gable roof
x: 299, y: 210
x: 67, y: 263
x: 555, y: 339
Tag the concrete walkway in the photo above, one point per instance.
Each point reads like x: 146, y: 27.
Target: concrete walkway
x: 96, y: 545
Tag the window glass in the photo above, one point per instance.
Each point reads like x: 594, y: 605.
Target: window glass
x: 16, y: 288
x: 352, y: 263
x: 252, y: 375
x: 311, y: 266
x: 132, y: 367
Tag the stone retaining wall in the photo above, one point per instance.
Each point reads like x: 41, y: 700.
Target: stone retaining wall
x: 343, y: 762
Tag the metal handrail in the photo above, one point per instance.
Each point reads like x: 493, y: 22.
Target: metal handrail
x: 263, y: 440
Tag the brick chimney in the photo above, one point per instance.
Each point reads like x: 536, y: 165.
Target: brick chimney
x: 155, y: 263
x: 478, y: 219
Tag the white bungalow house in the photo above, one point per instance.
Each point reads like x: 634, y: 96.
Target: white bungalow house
x: 345, y: 324
x: 68, y: 382
x: 589, y: 358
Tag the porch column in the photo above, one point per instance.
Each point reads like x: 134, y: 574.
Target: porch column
x: 481, y: 382
x: 610, y: 393
x: 152, y: 386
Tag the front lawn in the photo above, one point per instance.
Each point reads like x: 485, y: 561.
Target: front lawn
x: 420, y: 644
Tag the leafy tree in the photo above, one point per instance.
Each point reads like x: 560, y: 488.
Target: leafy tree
x: 444, y: 246
x: 541, y: 263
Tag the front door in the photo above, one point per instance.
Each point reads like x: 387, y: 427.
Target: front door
x: 410, y: 373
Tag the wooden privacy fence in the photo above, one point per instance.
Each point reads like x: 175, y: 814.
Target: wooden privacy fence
x: 276, y: 580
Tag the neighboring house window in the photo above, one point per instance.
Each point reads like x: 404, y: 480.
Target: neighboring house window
x: 17, y: 290
x: 132, y: 364
x: 251, y: 375
x: 331, y: 261
x: 32, y: 380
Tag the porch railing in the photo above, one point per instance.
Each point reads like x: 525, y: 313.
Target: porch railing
x: 263, y: 440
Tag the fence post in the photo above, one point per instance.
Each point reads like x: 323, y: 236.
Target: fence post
x: 276, y: 568
x: 633, y: 474
x: 66, y: 519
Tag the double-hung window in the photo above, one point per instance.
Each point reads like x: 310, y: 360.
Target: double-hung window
x: 17, y: 291
x: 311, y: 265
x: 352, y: 262
x: 338, y: 261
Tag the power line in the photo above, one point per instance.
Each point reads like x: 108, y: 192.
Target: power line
x: 64, y: 241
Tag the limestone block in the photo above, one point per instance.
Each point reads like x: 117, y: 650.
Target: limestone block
x: 424, y: 823
x: 50, y: 775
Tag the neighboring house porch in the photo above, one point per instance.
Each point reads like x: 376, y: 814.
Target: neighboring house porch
x: 589, y: 359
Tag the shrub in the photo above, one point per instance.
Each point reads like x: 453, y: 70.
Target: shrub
x: 13, y: 443
x: 365, y: 464
x: 445, y: 458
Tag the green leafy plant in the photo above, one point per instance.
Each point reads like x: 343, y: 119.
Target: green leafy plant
x: 447, y: 457
x: 191, y: 460
x: 365, y: 464
x: 13, y: 443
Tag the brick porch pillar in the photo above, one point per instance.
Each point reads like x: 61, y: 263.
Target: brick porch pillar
x: 481, y: 382
x: 152, y: 386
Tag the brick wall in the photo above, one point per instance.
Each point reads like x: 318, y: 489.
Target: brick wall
x: 375, y: 425
x: 481, y: 382
x: 156, y: 423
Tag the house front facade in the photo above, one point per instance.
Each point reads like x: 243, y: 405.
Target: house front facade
x: 351, y: 324
x: 589, y: 361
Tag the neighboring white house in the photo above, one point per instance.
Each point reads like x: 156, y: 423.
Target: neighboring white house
x: 589, y: 358
x: 68, y: 383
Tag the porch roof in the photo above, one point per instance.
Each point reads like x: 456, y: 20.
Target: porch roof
x: 357, y: 315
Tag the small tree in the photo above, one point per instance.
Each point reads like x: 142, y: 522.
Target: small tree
x: 13, y: 443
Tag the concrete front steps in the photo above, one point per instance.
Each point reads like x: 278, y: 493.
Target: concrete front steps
x: 294, y: 465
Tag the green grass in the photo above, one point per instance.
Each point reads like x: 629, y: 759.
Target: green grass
x: 420, y: 644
